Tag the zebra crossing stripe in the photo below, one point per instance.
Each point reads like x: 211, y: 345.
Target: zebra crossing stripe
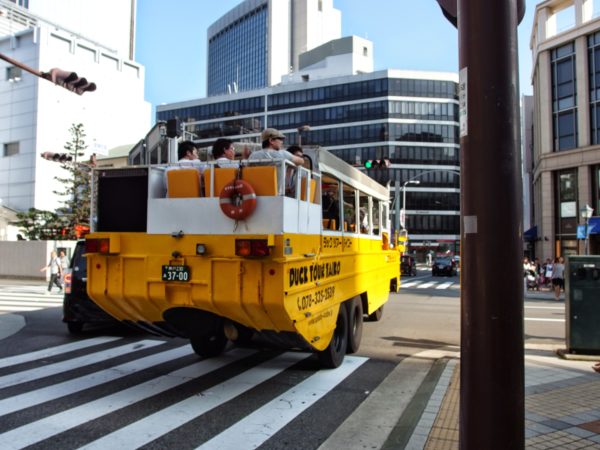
x: 49, y: 426
x: 410, y: 284
x: 74, y: 363
x: 53, y: 351
x: 146, y: 430
x: 39, y: 295
x: 445, y: 285
x: 426, y: 285
x: 264, y: 422
x: 14, y: 309
x: 48, y: 393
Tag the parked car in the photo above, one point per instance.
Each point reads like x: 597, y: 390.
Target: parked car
x: 443, y: 265
x: 78, y: 308
x: 408, y: 266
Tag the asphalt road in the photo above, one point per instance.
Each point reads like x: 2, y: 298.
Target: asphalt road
x: 119, y: 388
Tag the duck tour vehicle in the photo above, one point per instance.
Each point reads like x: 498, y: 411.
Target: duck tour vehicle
x: 296, y: 255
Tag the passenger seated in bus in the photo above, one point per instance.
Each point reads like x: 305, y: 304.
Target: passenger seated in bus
x: 224, y: 153
x: 331, y: 210
x: 187, y: 152
x: 272, y: 148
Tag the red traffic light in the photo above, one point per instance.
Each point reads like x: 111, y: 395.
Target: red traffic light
x: 57, y: 157
x: 69, y: 80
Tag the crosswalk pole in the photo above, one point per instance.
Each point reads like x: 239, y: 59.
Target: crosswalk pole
x: 492, y: 357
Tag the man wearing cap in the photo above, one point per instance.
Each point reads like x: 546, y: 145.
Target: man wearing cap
x: 272, y: 148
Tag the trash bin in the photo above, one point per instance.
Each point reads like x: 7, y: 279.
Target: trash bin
x: 582, y: 302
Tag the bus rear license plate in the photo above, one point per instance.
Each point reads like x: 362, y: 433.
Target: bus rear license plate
x: 176, y: 273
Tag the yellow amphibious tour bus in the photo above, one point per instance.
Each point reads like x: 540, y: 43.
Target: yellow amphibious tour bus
x: 217, y: 254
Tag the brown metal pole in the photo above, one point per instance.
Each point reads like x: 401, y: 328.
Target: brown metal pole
x: 492, y: 365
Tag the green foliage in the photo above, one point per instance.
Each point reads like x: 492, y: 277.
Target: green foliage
x: 77, y: 183
x: 47, y: 225
x: 37, y: 224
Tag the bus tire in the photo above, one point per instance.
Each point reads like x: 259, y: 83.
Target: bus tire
x: 75, y: 327
x: 333, y: 355
x: 209, y: 345
x: 355, y: 324
x: 375, y: 316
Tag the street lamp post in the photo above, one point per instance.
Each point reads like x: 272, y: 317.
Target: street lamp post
x: 586, y: 213
x: 403, y: 213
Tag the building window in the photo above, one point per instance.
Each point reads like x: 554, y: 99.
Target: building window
x: 566, y: 203
x: 596, y: 190
x: 564, y: 97
x: 594, y: 82
x: 13, y: 74
x: 11, y: 148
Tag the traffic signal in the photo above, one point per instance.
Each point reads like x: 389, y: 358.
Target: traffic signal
x: 173, y: 128
x: 69, y: 80
x: 377, y: 163
x: 57, y: 157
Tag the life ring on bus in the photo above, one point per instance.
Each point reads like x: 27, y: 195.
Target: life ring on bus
x: 237, y: 200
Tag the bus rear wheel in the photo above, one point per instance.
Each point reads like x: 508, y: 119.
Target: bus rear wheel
x: 376, y: 315
x: 355, y: 324
x: 333, y: 355
x: 209, y: 345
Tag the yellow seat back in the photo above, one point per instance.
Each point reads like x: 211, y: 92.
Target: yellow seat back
x: 223, y: 176
x: 262, y: 178
x: 313, y: 189
x: 329, y: 224
x: 182, y: 183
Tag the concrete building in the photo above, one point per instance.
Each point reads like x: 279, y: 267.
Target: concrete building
x: 35, y: 115
x: 565, y: 42
x: 410, y: 118
x: 259, y: 41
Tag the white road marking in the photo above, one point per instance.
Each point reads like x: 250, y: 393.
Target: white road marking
x: 254, y: 429
x: 53, y: 351
x: 445, y: 285
x: 75, y: 363
x: 47, y: 427
x: 561, y: 308
x: 151, y: 427
x: 539, y: 319
x: 45, y: 394
x: 426, y: 285
x: 410, y: 284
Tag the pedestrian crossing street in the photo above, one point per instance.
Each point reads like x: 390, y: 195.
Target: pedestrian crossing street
x: 110, y: 392
x: 28, y: 297
x: 430, y: 283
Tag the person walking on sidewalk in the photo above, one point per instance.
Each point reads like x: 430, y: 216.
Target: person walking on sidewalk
x: 55, y: 267
x: 558, y: 274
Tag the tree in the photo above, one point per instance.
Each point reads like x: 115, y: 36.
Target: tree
x: 77, y: 186
x: 37, y: 224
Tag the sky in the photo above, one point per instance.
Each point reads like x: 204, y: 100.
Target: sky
x: 406, y: 35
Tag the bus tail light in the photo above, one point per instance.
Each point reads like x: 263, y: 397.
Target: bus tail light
x: 97, y: 245
x: 252, y: 247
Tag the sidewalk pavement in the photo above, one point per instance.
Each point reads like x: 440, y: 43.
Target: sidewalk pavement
x: 562, y: 406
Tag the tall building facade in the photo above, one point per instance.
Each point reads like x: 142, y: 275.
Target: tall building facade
x: 259, y: 41
x: 35, y: 115
x: 410, y: 118
x: 566, y: 141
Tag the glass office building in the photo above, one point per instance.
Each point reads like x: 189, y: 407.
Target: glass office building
x: 237, y: 59
x: 258, y: 42
x: 409, y: 118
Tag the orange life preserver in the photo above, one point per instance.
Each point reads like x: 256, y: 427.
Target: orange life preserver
x: 237, y: 199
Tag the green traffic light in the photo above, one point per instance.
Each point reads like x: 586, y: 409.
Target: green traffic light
x: 368, y: 164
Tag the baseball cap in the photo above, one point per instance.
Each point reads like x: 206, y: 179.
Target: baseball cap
x: 271, y: 133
